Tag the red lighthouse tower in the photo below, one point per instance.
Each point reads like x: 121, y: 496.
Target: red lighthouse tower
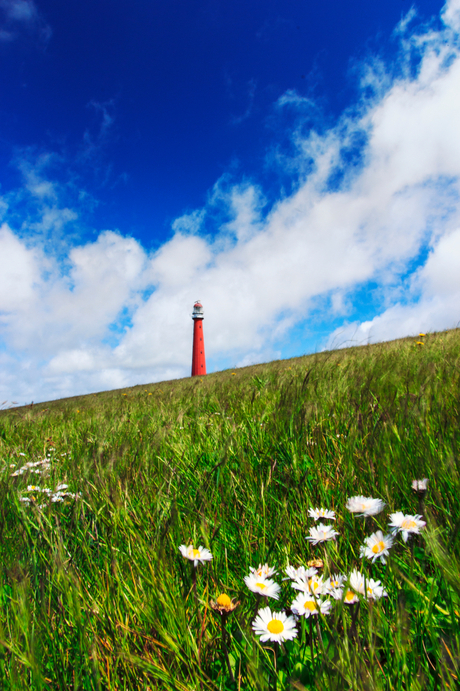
x: 198, y: 357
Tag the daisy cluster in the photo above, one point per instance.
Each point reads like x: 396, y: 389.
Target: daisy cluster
x: 42, y: 496
x: 50, y: 496
x: 315, y: 594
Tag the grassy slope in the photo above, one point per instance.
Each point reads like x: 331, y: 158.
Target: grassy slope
x: 95, y: 594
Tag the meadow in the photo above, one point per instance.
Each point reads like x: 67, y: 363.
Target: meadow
x: 98, y: 493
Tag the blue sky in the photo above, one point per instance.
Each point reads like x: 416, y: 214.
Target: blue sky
x: 295, y: 165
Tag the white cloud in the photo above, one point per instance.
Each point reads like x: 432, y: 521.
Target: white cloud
x: 262, y: 272
x: 17, y: 14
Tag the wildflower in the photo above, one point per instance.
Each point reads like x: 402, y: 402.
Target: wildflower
x: 420, y: 486
x: 309, y: 606
x: 262, y: 586
x: 275, y: 627
x: 356, y: 581
x: 61, y: 487
x: 377, y: 546
x: 321, y: 513
x: 420, y: 343
x: 350, y: 597
x: 25, y: 500
x: 322, y: 533
x: 314, y: 585
x: 224, y: 605
x: 201, y: 554
x: 406, y: 524
x: 263, y: 571
x: 333, y: 584
x: 375, y: 590
x: 300, y: 572
x: 33, y: 488
x: 365, y: 506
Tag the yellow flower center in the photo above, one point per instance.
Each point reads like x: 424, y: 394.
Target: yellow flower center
x: 408, y: 524
x: 275, y: 626
x: 350, y: 596
x: 313, y: 585
x: 195, y: 553
x: 262, y: 586
x: 378, y: 547
x: 224, y: 600
x: 311, y: 606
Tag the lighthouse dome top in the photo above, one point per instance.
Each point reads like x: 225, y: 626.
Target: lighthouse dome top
x: 198, y: 310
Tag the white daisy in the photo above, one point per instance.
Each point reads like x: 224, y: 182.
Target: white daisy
x: 309, y: 606
x: 263, y: 571
x: 374, y: 589
x: 321, y: 513
x: 274, y: 626
x: 349, y: 596
x: 322, y: 533
x: 334, y: 582
x: 365, y: 506
x: 313, y: 585
x: 356, y: 581
x: 406, y: 524
x: 377, y: 546
x: 262, y: 586
x: 196, y: 555
x: 300, y: 572
x: 420, y: 485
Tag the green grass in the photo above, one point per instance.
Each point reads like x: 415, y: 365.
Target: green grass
x: 94, y: 593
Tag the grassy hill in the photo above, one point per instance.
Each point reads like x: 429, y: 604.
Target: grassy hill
x: 98, y: 492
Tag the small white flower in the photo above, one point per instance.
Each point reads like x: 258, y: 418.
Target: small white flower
x: 374, y: 589
x: 61, y: 487
x: 335, y: 582
x: 196, y: 555
x: 25, y: 500
x: 56, y: 498
x: 21, y: 454
x: 275, y: 627
x: 262, y: 586
x: 33, y: 488
x: 300, y: 572
x: 377, y: 546
x: 406, y: 524
x: 263, y: 571
x: 420, y: 485
x: 322, y: 533
x: 313, y: 585
x: 365, y: 506
x: 349, y: 596
x: 309, y: 606
x: 356, y: 581
x: 321, y: 513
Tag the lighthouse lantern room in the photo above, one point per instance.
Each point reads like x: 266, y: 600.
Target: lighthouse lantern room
x: 198, y: 356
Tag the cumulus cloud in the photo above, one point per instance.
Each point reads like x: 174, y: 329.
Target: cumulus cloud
x: 376, y: 199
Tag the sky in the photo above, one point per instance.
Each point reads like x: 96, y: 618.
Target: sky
x: 294, y: 165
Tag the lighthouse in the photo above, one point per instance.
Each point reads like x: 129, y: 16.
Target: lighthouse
x: 198, y: 357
